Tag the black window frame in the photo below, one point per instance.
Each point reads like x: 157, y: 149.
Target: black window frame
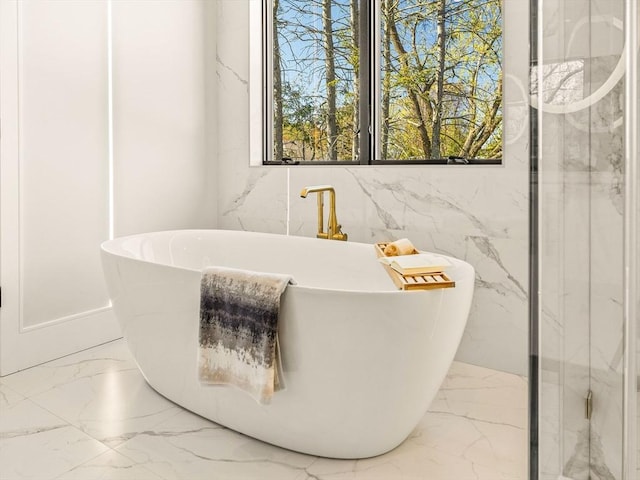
x: 369, y: 22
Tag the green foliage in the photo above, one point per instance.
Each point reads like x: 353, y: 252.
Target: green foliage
x: 465, y: 107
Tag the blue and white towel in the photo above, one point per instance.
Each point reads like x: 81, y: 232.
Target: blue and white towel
x: 239, y: 312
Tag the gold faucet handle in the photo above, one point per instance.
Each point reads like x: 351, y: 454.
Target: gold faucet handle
x: 339, y: 235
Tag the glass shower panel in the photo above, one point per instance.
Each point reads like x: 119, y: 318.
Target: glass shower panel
x: 558, y: 79
x: 578, y: 94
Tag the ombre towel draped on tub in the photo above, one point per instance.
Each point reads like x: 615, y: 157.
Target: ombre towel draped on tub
x: 239, y: 330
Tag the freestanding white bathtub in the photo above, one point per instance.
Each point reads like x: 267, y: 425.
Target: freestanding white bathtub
x: 362, y: 361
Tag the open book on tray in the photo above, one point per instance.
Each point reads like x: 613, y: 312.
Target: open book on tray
x: 417, y: 264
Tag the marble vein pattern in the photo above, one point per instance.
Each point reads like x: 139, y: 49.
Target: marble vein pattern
x: 376, y: 204
x: 476, y: 214
x: 92, y: 416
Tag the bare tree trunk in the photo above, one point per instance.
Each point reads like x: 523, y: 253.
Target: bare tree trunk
x: 386, y: 81
x: 332, y: 127
x: 437, y: 115
x: 278, y: 148
x: 490, y: 123
x: 355, y: 45
x: 413, y: 95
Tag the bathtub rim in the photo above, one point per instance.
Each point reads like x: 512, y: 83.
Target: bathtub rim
x: 110, y: 247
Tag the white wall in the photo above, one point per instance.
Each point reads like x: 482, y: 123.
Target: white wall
x: 63, y: 144
x: 55, y: 155
x: 479, y: 214
x: 54, y: 179
x: 163, y: 172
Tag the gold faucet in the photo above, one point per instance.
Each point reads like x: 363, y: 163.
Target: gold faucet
x: 334, y: 228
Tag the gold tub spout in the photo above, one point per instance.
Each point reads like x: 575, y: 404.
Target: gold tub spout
x: 334, y: 228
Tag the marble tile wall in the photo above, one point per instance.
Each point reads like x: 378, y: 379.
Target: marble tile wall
x: 476, y: 213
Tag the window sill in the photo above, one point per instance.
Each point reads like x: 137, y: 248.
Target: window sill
x: 437, y: 161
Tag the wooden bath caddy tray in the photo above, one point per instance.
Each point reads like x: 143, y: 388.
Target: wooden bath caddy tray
x: 425, y: 281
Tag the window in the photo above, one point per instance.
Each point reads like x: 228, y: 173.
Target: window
x: 387, y: 81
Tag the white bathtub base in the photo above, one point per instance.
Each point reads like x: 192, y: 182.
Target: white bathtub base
x: 361, y: 364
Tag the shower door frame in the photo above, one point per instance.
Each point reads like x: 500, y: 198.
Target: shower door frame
x: 631, y: 281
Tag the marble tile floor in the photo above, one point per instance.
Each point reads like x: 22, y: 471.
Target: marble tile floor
x: 92, y: 416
